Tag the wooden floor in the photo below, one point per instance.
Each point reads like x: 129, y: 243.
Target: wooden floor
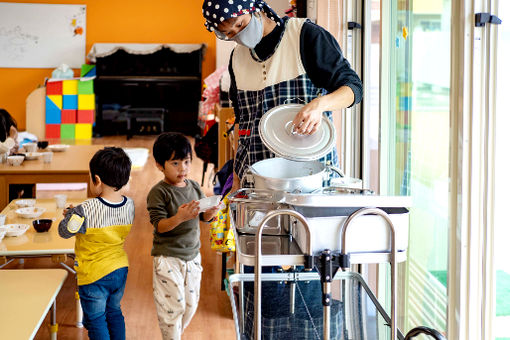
x: 213, y: 319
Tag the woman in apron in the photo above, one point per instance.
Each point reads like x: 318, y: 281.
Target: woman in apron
x: 279, y: 61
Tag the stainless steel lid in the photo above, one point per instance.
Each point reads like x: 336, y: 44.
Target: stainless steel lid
x: 275, y: 128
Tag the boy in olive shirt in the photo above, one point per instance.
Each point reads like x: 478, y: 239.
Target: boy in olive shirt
x: 174, y: 213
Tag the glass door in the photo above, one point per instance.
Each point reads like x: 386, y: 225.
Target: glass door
x: 501, y: 328
x: 415, y: 147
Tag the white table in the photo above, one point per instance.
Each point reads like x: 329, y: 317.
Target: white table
x: 26, y: 296
x: 34, y: 244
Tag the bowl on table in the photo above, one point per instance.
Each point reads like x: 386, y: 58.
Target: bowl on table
x: 32, y: 155
x: 43, y: 144
x: 30, y: 212
x: 14, y: 230
x: 42, y: 225
x: 25, y: 203
x: 15, y: 160
x: 58, y: 147
x: 30, y: 147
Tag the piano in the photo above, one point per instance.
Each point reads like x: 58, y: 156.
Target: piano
x: 147, y: 88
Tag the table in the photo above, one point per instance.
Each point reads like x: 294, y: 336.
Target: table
x: 71, y: 166
x: 34, y: 244
x: 26, y: 296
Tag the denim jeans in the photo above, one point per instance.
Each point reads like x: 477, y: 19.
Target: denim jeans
x: 100, y: 302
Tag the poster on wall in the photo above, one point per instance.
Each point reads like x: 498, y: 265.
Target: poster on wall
x: 42, y: 35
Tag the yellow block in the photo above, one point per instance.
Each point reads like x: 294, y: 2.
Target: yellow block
x: 70, y: 86
x: 56, y: 99
x: 83, y: 141
x: 83, y: 131
x: 86, y: 102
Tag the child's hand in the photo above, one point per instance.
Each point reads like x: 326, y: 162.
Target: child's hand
x: 66, y: 210
x: 211, y: 212
x: 188, y: 211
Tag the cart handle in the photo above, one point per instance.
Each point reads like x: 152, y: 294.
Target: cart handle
x: 393, y: 257
x: 258, y: 260
x: 424, y: 330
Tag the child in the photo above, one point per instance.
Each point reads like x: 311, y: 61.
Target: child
x: 101, y: 225
x: 8, y: 128
x: 174, y: 211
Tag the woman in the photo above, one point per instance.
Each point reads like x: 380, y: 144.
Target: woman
x: 277, y: 61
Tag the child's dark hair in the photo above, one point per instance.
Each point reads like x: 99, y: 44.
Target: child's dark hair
x: 171, y: 145
x: 6, y: 121
x: 112, y: 165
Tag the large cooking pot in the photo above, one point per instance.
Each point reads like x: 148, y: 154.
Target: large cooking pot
x: 291, y: 176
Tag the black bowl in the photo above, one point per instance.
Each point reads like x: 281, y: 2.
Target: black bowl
x: 42, y: 225
x: 42, y: 144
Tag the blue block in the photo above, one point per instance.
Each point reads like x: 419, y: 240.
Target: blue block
x: 52, y: 112
x: 70, y: 102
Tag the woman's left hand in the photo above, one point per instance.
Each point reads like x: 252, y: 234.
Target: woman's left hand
x: 308, y: 120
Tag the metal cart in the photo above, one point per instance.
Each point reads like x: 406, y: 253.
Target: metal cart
x: 303, y: 232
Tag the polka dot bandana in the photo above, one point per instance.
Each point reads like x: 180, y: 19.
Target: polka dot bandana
x: 216, y: 11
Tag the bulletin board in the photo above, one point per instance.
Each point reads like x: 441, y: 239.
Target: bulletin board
x: 42, y: 35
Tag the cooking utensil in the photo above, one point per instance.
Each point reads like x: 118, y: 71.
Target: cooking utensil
x: 276, y: 132
x: 290, y: 176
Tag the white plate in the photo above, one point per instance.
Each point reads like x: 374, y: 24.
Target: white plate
x: 32, y: 155
x: 209, y: 202
x: 30, y: 212
x: 275, y: 129
x: 58, y: 147
x: 15, y: 229
x: 25, y: 203
x: 3, y: 231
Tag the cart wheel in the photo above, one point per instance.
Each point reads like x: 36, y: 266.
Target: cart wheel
x: 424, y: 330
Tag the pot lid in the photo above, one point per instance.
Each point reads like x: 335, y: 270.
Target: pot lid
x: 275, y: 128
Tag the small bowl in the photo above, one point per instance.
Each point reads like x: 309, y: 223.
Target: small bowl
x: 42, y: 144
x: 15, y: 160
x: 58, y: 147
x: 32, y: 155
x: 27, y: 202
x: 30, y: 212
x: 3, y: 231
x: 42, y: 225
x: 15, y: 230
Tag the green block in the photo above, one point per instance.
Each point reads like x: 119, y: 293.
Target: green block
x: 67, y: 131
x: 86, y: 86
x: 86, y: 68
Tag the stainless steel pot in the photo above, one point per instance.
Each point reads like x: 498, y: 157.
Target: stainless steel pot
x: 291, y: 176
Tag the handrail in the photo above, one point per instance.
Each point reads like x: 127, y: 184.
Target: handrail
x: 393, y: 257
x: 424, y: 330
x: 258, y: 260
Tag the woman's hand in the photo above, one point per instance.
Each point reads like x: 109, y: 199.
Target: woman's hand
x: 308, y: 120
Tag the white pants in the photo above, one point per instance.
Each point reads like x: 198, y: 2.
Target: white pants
x: 176, y: 288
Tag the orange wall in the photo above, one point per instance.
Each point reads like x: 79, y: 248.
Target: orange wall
x: 115, y: 21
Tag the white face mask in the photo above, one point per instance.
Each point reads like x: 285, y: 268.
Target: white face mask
x: 250, y: 36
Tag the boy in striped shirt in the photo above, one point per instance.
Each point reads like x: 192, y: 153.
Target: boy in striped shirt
x: 100, y: 226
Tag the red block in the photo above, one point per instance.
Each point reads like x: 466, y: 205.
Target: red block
x: 52, y: 130
x: 68, y: 116
x: 85, y: 116
x: 54, y: 87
